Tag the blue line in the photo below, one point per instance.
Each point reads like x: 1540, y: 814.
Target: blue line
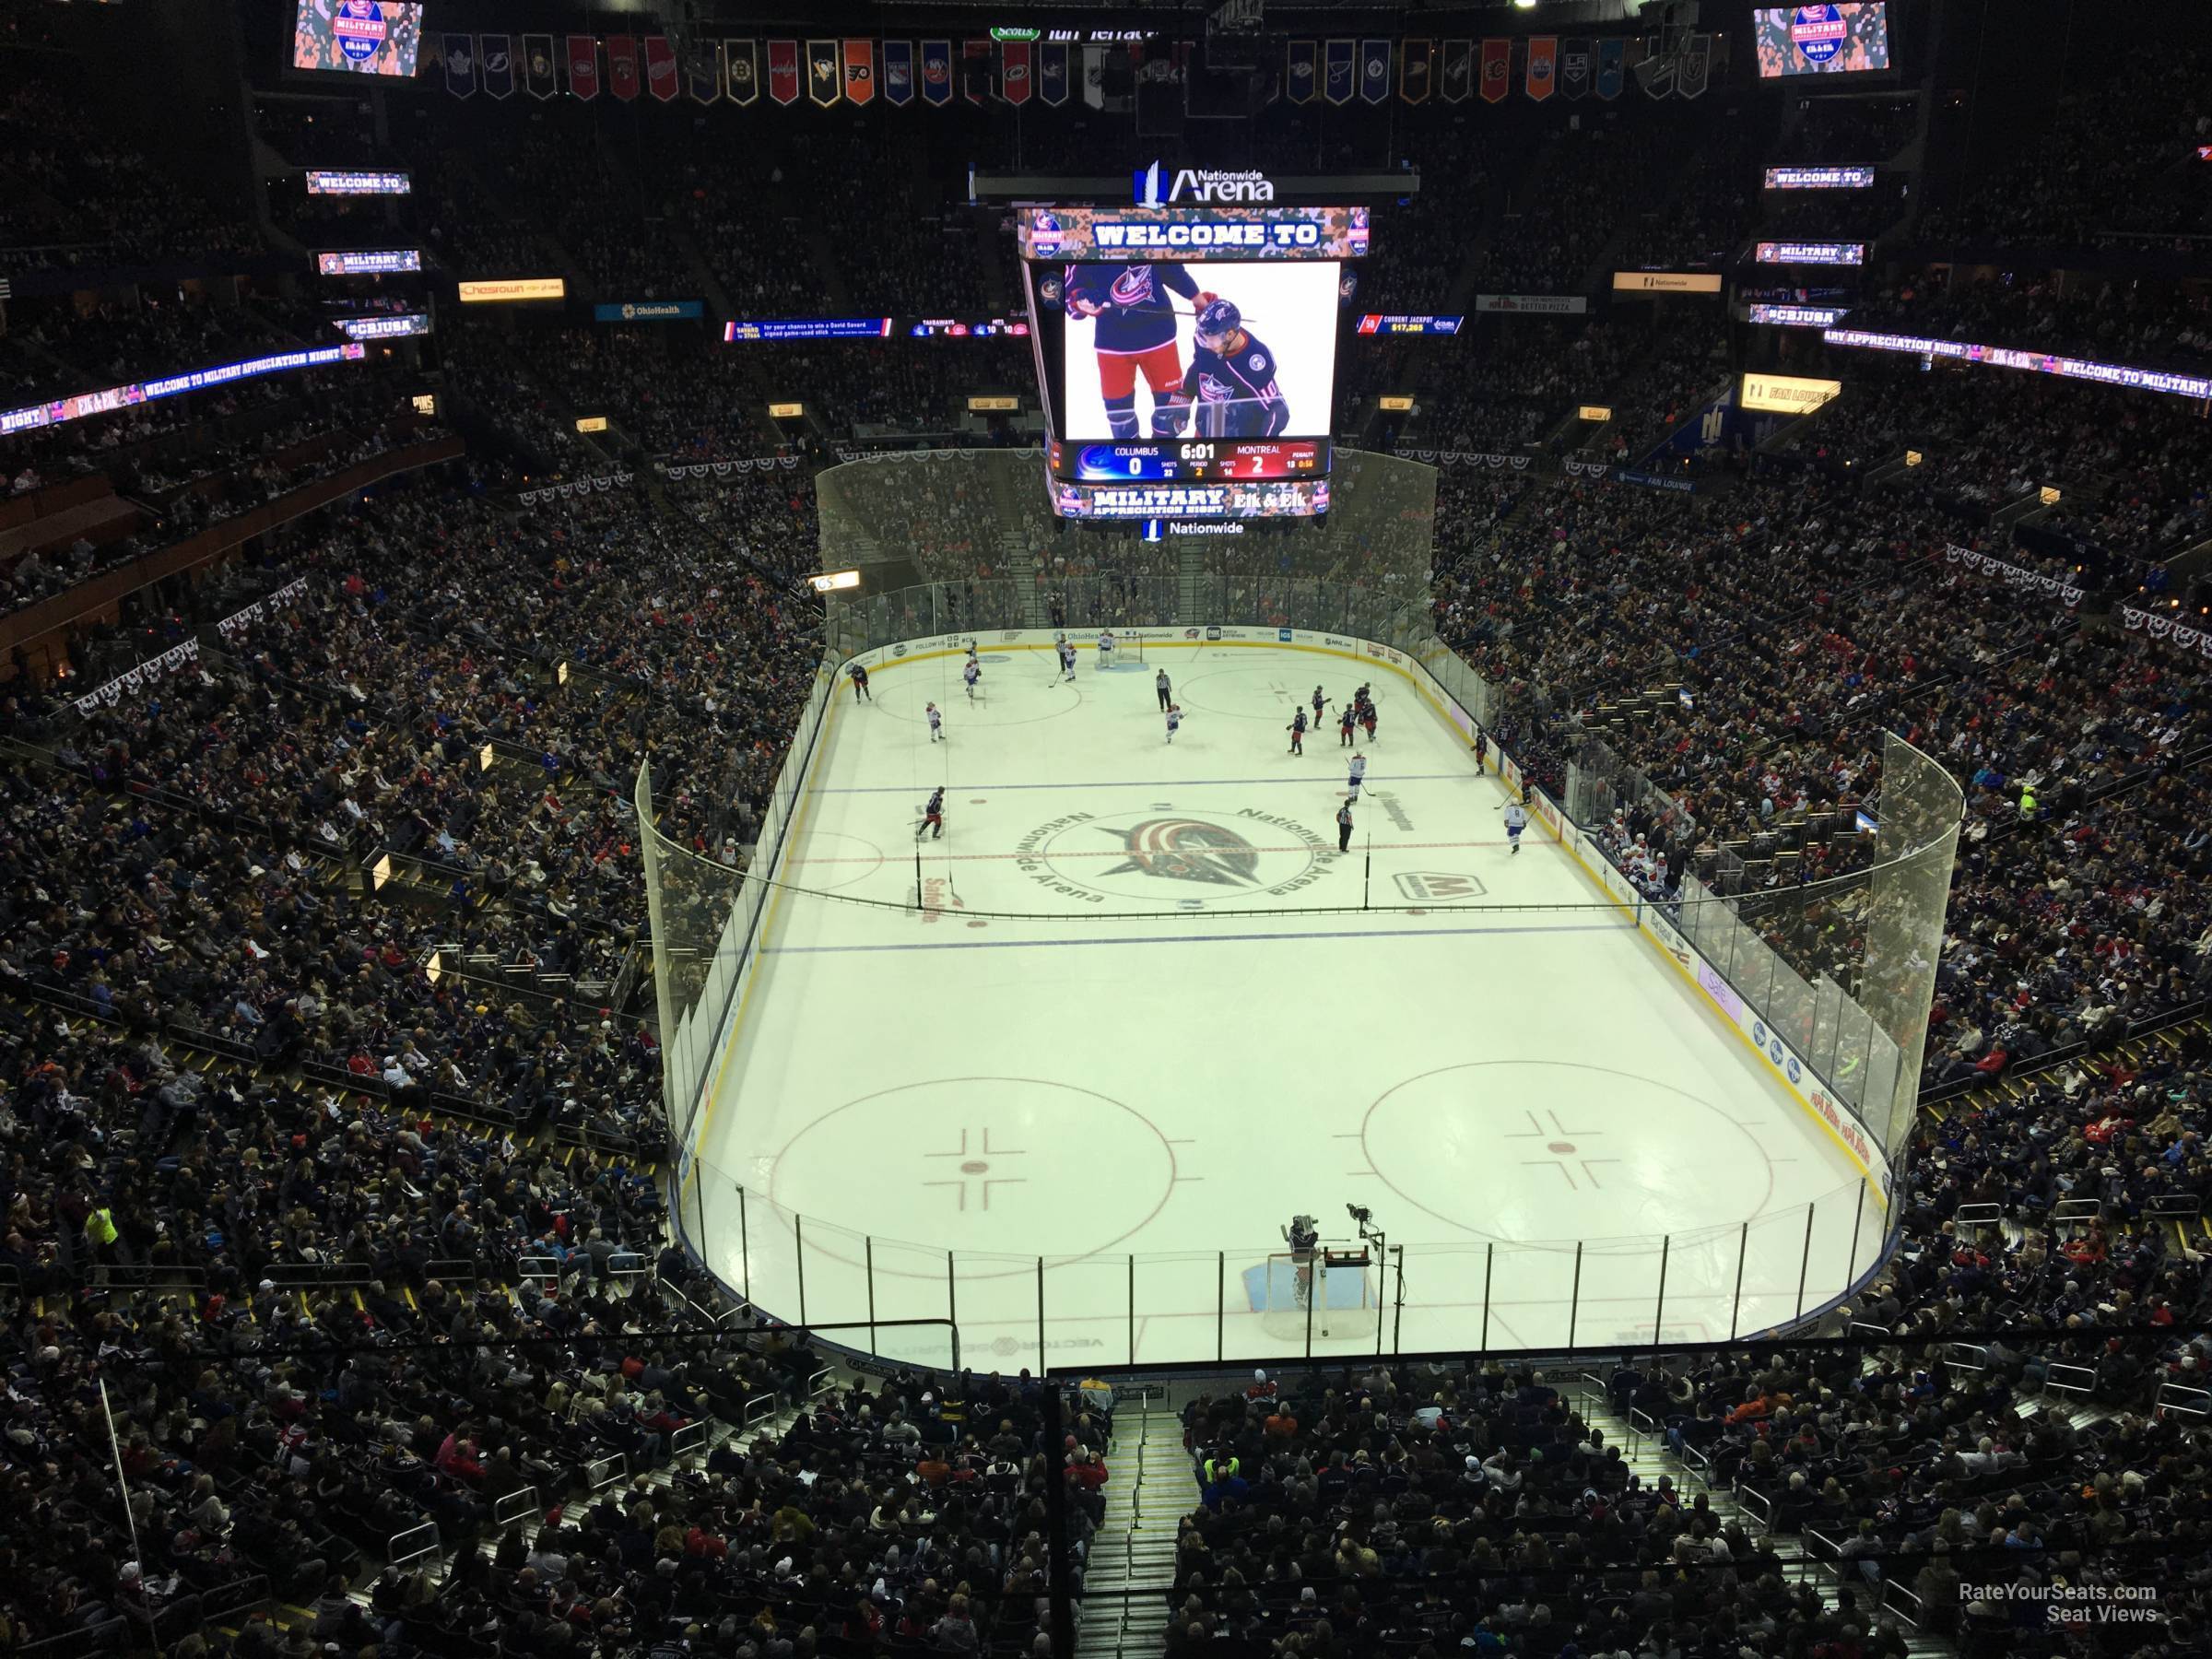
x: 1372, y: 778
x: 1390, y: 932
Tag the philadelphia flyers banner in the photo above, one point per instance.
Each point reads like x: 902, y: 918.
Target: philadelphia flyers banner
x: 1496, y: 69
x: 860, y: 71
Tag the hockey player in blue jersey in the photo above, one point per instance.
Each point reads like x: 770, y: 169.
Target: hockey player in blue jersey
x: 1232, y: 379
x: 1135, y: 328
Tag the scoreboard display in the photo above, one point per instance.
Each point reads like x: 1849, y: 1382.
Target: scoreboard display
x: 1188, y: 460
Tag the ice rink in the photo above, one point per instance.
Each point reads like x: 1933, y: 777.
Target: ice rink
x: 1193, y: 1030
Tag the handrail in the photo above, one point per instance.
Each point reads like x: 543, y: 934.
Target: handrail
x: 523, y: 1500
x: 403, y: 1548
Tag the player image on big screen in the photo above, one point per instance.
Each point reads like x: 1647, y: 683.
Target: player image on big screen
x: 1157, y: 351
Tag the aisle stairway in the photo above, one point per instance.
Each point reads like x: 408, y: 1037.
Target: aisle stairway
x: 1131, y: 1562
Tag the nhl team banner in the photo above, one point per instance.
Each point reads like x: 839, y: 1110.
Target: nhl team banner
x: 1457, y: 75
x: 1013, y: 71
x: 1340, y: 63
x: 783, y: 71
x: 937, y: 71
x: 461, y: 64
x: 1051, y: 72
x: 583, y: 65
x: 1612, y: 66
x: 704, y: 73
x: 1415, y: 59
x: 622, y: 65
x: 1543, y: 60
x: 496, y: 61
x: 1298, y: 72
x: 859, y: 72
x: 899, y: 72
x: 822, y: 76
x: 1574, y: 68
x: 539, y: 78
x: 975, y: 55
x: 1374, y: 70
x: 660, y: 68
x: 742, y: 59
x: 1496, y: 70
x: 1697, y: 66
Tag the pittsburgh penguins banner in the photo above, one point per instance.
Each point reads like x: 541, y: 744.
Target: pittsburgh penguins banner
x: 859, y: 72
x: 742, y: 58
x: 704, y: 72
x: 899, y: 72
x: 539, y: 78
x: 1414, y: 60
x: 1013, y: 71
x: 1543, y: 59
x: 1298, y: 73
x: 1051, y: 72
x: 622, y: 65
x: 1340, y: 59
x: 1374, y: 70
x: 1457, y: 75
x: 822, y: 76
x: 1574, y: 67
x: 583, y: 65
x: 937, y: 71
x: 1496, y: 70
x: 461, y: 64
x: 660, y: 68
x: 496, y: 61
x: 783, y: 71
x: 975, y: 70
x: 1612, y: 59
x: 1697, y: 66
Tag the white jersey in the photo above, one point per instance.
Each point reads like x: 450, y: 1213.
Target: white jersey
x: 1105, y: 643
x: 1359, y: 767
x: 972, y: 673
x: 1516, y: 821
x: 1067, y: 653
x: 1174, y: 721
x: 936, y: 720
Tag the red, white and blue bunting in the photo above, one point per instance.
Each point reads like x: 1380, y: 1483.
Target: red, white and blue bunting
x: 725, y: 470
x: 577, y: 486
x: 2015, y: 574
x: 2169, y: 628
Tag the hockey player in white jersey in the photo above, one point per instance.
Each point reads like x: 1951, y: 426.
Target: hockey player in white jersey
x: 1358, y: 773
x: 1106, y: 643
x: 1067, y: 657
x: 970, y: 673
x: 1174, y: 720
x: 1516, y: 821
x: 937, y: 723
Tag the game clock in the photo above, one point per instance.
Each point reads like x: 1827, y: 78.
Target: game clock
x: 1190, y: 460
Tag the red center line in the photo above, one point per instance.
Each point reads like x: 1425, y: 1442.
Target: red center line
x: 1125, y: 852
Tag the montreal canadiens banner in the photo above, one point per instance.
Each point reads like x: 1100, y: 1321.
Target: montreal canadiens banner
x: 583, y: 65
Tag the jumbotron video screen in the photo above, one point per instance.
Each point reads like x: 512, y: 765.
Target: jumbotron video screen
x: 1187, y: 356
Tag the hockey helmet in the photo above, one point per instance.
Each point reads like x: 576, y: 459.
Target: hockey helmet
x: 1219, y: 320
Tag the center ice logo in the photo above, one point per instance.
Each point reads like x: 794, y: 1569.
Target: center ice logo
x: 1154, y: 859
x: 1187, y: 850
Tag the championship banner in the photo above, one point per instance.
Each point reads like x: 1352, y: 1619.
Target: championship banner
x: 1339, y: 60
x: 622, y: 67
x: 461, y: 64
x: 1496, y: 70
x: 1051, y: 72
x: 704, y: 74
x: 1697, y: 66
x: 583, y: 65
x: 1574, y: 67
x: 822, y: 71
x: 1374, y: 70
x: 660, y: 68
x: 539, y: 78
x: 975, y: 55
x: 1414, y: 58
x: 1298, y: 73
x: 899, y: 72
x: 783, y: 71
x: 859, y: 72
x: 1458, y: 73
x: 1543, y: 58
x: 1013, y: 71
x: 1612, y: 64
x: 937, y: 71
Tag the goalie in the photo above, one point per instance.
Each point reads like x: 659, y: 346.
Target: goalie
x: 1303, y: 1236
x: 1135, y: 329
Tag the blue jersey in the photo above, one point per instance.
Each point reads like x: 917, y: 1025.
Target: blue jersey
x: 1132, y: 304
x: 1235, y: 394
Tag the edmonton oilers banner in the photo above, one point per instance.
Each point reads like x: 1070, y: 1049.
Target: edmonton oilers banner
x: 1340, y: 57
x: 899, y: 72
x: 1543, y: 58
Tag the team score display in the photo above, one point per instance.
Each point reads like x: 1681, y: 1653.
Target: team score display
x: 1223, y: 459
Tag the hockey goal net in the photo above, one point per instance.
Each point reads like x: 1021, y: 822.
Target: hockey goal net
x: 1330, y: 1291
x: 1128, y: 648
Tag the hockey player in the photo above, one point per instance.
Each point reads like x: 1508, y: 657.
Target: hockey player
x: 1367, y: 719
x: 1359, y: 772
x: 1516, y: 821
x: 1320, y: 702
x: 1345, y: 724
x: 1159, y: 684
x: 1482, y: 748
x: 1135, y: 330
x: 937, y: 723
x: 1106, y: 648
x: 1297, y: 728
x: 1232, y: 381
x: 860, y: 683
x: 970, y: 672
x: 1174, y: 718
x: 933, y: 816
x: 1067, y: 657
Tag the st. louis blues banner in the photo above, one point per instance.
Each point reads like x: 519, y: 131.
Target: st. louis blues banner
x: 1052, y: 72
x: 461, y: 64
x: 742, y: 58
x: 1612, y: 60
x: 539, y: 79
x: 1496, y: 69
x: 937, y: 71
x: 622, y: 65
x: 1374, y: 70
x: 583, y: 65
x: 1414, y: 60
x: 822, y: 74
x: 704, y: 72
x: 1574, y: 67
x: 1543, y: 61
x: 859, y: 72
x: 783, y: 71
x: 1697, y: 66
x: 899, y: 72
x: 660, y: 68
x: 496, y: 60
x: 1298, y: 73
x: 1013, y: 71
x: 1457, y: 76
x: 1341, y: 59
